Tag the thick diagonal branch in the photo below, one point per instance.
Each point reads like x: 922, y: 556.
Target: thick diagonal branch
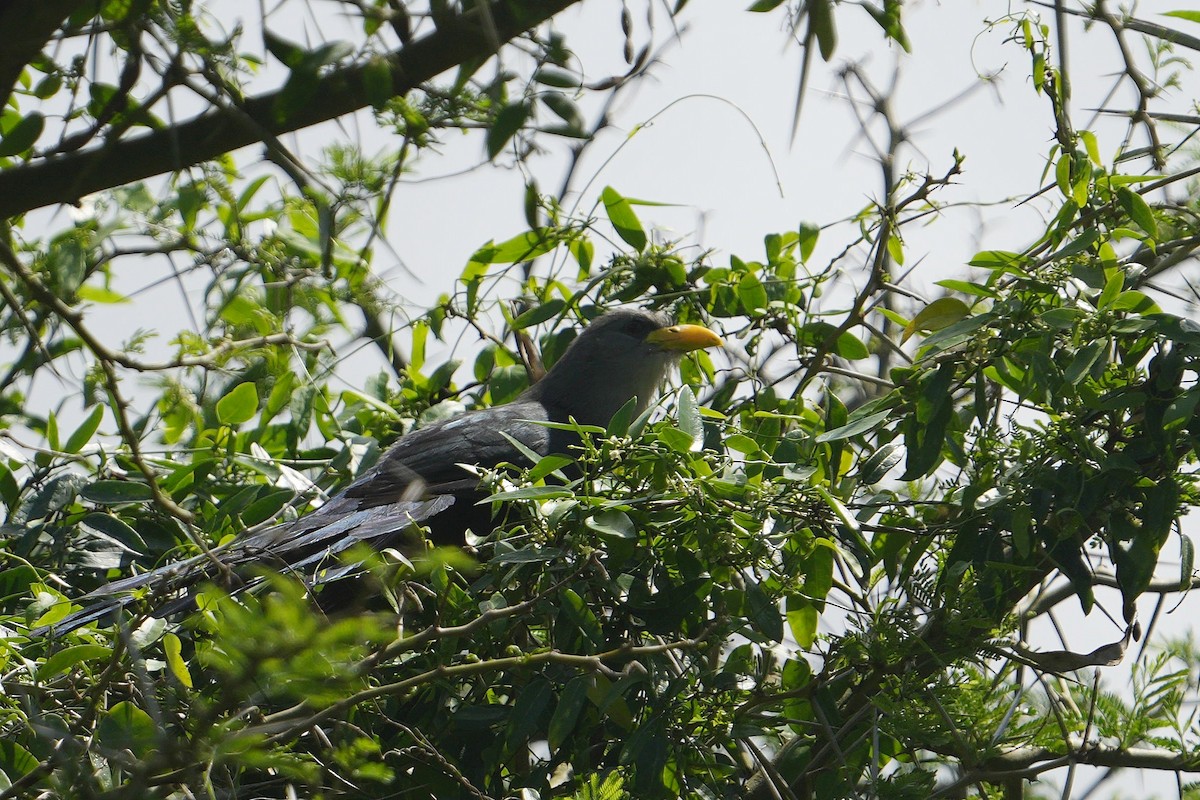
x: 66, y: 178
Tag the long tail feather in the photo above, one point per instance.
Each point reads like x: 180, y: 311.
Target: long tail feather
x: 297, y: 546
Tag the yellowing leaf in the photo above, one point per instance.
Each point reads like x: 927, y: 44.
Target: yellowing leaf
x: 174, y: 649
x: 941, y: 313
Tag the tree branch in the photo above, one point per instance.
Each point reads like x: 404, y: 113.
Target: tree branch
x: 1032, y: 761
x: 66, y: 178
x: 28, y: 26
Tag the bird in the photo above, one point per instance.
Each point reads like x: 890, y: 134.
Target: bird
x: 425, y: 478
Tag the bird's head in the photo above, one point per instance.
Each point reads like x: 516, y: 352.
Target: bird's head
x: 622, y: 354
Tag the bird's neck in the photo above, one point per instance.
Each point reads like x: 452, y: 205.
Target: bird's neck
x: 592, y: 393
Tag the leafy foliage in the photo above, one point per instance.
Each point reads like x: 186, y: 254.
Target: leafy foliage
x: 810, y: 572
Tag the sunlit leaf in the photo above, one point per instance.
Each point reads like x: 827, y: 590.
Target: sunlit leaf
x: 941, y: 313
x: 238, y: 405
x: 620, y: 214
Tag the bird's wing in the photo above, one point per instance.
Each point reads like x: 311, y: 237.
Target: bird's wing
x: 429, y: 460
x: 418, y: 478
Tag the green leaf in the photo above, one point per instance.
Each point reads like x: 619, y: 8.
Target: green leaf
x: 100, y: 294
x: 967, y: 287
x: 818, y: 576
x: 1135, y: 550
x: 68, y: 266
x: 576, y: 609
x: 802, y: 619
x: 955, y: 334
x: 582, y: 251
x: 267, y: 506
x: 22, y: 136
x: 1003, y: 260
x: 1081, y: 365
x: 52, y: 430
x: 1190, y: 16
x: 281, y: 394
x: 850, y: 347
x: 508, y: 121
x: 888, y: 18
x: 620, y: 422
x: 925, y: 430
x: 1139, y: 210
x: 1062, y: 319
x: 547, y: 465
x: 1089, y: 144
x: 16, y: 581
x: 845, y: 517
x: 761, y: 6
x: 1112, y: 289
x: 560, y: 79
x: 527, y: 713
x: 1187, y: 561
x: 687, y: 415
x: 238, y: 405
x: 763, y: 613
x: 741, y: 443
x: 16, y: 760
x: 116, y: 492
x: 83, y: 434
x: 795, y: 675
x: 1021, y: 535
x: 116, y: 529
x: 529, y: 493
x: 571, y: 701
x: 68, y: 657
x: 941, y: 313
x: 612, y: 524
x: 377, y: 82
x: 9, y: 491
x: 646, y: 751
x: 48, y: 86
x: 288, y: 52
x: 855, y: 426
x: 620, y: 214
x: 752, y: 294
x: 1135, y: 301
x: 564, y: 109
x: 127, y: 727
x: 809, y: 232
x: 875, y: 467
x: 326, y: 54
x: 820, y: 23
x: 1181, y: 409
x: 539, y: 314
x: 522, y: 247
x: 1062, y: 168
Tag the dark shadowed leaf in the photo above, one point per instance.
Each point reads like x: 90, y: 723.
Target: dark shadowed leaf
x: 764, y: 614
x: 571, y: 701
x: 509, y: 120
x: 127, y: 727
x: 116, y: 492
